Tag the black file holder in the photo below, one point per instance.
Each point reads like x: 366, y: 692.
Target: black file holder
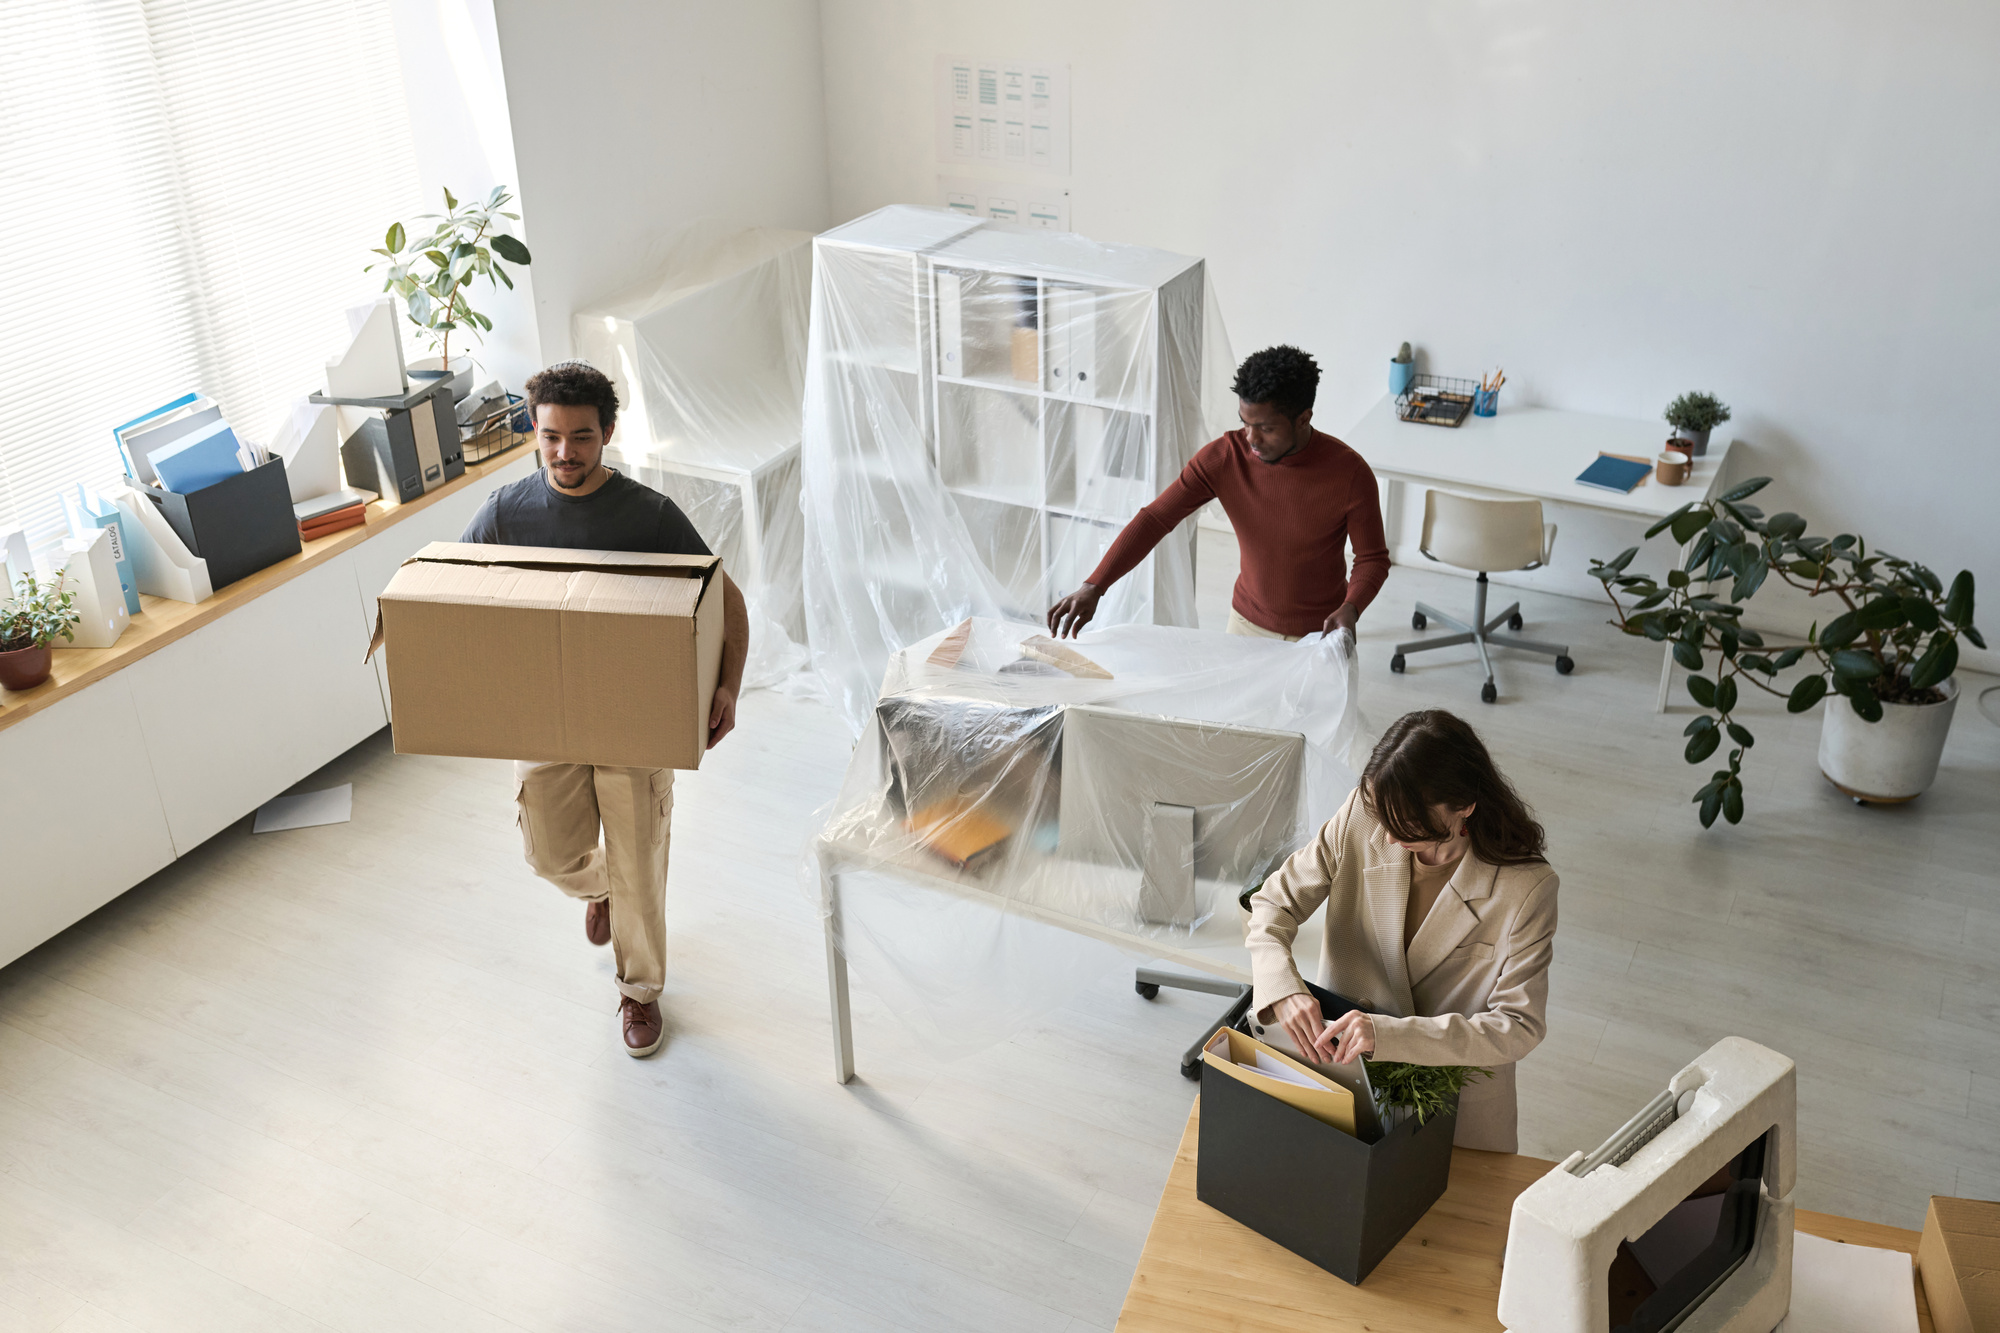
x: 1316, y: 1190
x: 239, y: 525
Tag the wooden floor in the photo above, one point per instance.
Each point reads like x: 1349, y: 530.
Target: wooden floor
x: 366, y: 1077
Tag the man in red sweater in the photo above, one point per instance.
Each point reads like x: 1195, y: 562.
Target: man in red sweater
x: 1296, y: 498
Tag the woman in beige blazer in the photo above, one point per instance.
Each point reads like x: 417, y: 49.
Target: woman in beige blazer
x: 1440, y: 916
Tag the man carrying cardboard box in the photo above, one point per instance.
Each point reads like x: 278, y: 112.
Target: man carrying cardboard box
x: 575, y: 501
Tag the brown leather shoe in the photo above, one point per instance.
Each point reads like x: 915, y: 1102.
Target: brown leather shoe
x: 643, y: 1027
x: 597, y: 921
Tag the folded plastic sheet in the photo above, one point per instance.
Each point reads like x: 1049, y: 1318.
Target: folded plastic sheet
x: 985, y: 407
x: 708, y: 355
x: 1005, y: 821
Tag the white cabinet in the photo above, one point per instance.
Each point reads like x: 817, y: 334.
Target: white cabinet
x: 80, y: 814
x: 247, y: 705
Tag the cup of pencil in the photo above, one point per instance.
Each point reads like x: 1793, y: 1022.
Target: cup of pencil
x: 1486, y: 400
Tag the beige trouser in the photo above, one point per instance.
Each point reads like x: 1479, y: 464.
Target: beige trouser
x: 1238, y: 625
x: 562, y: 807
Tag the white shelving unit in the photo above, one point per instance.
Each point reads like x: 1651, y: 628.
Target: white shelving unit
x: 1053, y: 383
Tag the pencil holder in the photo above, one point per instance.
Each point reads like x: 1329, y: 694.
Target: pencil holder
x: 1400, y: 375
x: 1485, y: 402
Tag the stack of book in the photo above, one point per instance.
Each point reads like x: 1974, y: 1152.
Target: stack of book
x: 324, y: 515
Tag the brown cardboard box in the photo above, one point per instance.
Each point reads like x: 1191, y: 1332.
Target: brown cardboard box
x: 1959, y: 1259
x: 528, y: 652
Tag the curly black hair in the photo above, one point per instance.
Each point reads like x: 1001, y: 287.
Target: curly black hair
x: 575, y: 384
x: 1283, y: 375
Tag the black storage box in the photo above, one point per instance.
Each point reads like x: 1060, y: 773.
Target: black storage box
x: 413, y: 447
x: 1320, y: 1192
x: 239, y: 525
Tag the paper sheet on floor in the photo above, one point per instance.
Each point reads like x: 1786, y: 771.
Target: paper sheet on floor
x: 308, y: 809
x: 1849, y: 1289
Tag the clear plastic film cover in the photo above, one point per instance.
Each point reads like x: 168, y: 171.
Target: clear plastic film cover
x: 708, y: 355
x: 1018, y: 806
x: 985, y: 407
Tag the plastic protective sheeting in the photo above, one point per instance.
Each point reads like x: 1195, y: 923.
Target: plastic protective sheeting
x: 1007, y: 820
x: 708, y: 356
x: 986, y: 406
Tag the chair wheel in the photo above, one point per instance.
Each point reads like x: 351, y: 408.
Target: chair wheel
x: 1396, y: 663
x: 1147, y: 989
x: 1417, y: 621
x: 1191, y: 1071
x: 1487, y: 694
x: 1564, y: 666
x: 1514, y: 622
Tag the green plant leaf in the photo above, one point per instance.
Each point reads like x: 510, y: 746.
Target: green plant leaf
x: 1937, y: 663
x: 394, y: 240
x: 1703, y: 744
x: 1702, y: 690
x: 1711, y: 806
x: 1747, y: 489
x: 1732, y: 802
x: 1921, y: 615
x: 1677, y: 578
x: 1839, y: 631
x: 510, y: 249
x: 1687, y: 655
x: 1866, y: 705
x: 1881, y: 613
x: 1741, y: 735
x: 1788, y: 657
x: 1698, y: 554
x: 1958, y: 602
x: 1978, y: 639
x: 1856, y: 664
x: 1809, y: 691
x: 1668, y: 521
x: 1725, y: 695
x: 1786, y: 525
x: 1750, y: 580
x: 420, y: 306
x: 1806, y: 569
x: 1702, y: 723
x: 449, y: 202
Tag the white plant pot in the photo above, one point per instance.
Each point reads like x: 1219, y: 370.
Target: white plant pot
x: 1884, y: 762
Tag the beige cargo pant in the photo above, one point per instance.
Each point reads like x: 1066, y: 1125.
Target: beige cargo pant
x: 1251, y: 630
x: 562, y: 807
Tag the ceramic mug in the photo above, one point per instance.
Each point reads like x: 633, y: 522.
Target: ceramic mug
x: 1672, y: 468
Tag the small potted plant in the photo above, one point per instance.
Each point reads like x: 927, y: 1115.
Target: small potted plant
x: 433, y: 272
x: 1889, y: 653
x: 29, y: 623
x: 1693, y: 416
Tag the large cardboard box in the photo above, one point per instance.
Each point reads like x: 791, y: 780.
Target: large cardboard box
x: 1959, y: 1259
x: 559, y: 656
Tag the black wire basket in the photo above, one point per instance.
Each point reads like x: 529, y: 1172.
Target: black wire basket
x: 1436, y: 400
x: 496, y: 427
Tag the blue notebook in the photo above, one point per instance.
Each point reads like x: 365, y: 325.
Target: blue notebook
x: 1614, y: 474
x: 197, y: 460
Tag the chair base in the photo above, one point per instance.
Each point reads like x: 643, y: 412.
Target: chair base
x: 1480, y: 633
x: 1148, y: 980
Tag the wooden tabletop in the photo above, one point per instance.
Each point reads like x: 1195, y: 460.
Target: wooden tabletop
x: 1201, y: 1272
x: 161, y: 620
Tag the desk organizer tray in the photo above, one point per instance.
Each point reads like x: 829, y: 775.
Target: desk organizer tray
x: 1436, y: 400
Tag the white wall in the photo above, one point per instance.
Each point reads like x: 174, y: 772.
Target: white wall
x: 634, y: 117
x: 1789, y: 204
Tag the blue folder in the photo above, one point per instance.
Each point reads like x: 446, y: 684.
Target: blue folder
x: 197, y: 461
x: 1614, y: 474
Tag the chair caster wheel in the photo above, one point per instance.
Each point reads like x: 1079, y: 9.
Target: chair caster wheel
x: 1191, y: 1072
x: 1396, y: 664
x: 1564, y: 666
x: 1147, y: 989
x: 1417, y: 621
x: 1487, y: 694
x: 1514, y: 622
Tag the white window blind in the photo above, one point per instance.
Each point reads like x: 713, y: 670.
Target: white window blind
x: 191, y: 189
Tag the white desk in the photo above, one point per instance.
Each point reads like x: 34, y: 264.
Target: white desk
x: 1532, y: 453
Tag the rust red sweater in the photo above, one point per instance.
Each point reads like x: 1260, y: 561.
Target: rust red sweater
x: 1293, y: 520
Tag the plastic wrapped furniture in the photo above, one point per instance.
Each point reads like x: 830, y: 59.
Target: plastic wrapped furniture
x: 1013, y: 795
x: 986, y: 406
x: 709, y: 360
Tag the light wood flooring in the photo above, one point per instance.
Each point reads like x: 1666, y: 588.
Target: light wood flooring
x: 366, y: 1077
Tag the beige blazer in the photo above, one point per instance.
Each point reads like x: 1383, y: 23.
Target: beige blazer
x: 1474, y: 988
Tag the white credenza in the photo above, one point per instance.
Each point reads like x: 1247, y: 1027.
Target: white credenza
x: 109, y: 784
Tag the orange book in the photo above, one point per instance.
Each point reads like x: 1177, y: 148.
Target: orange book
x: 327, y: 524
x: 958, y: 830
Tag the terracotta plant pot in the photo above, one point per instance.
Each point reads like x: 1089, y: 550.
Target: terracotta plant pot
x: 25, y: 668
x: 1886, y: 762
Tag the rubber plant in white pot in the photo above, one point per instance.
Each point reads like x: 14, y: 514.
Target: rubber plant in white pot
x: 433, y: 271
x: 1889, y: 654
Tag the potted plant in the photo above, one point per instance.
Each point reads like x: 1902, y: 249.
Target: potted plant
x: 1889, y: 653
x: 1693, y: 416
x: 433, y: 272
x: 29, y: 623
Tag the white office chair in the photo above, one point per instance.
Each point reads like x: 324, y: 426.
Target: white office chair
x: 1483, y: 535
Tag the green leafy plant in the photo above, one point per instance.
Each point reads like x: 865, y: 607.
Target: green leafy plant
x: 1895, y: 641
x: 1425, y: 1089
x: 37, y: 615
x: 432, y: 272
x: 1696, y: 412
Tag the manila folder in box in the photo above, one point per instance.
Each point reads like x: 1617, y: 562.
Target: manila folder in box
x: 552, y: 655
x: 1232, y: 1053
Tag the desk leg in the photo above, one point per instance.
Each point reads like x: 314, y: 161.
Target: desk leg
x: 1666, y: 680
x: 836, y: 985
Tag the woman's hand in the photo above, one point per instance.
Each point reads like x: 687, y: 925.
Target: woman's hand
x: 1354, y: 1033
x: 1299, y: 1015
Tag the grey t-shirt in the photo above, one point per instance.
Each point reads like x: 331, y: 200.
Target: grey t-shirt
x: 620, y: 515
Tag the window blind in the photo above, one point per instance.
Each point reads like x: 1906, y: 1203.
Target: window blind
x: 192, y: 188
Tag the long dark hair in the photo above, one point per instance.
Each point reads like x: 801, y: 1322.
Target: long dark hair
x: 1432, y: 757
